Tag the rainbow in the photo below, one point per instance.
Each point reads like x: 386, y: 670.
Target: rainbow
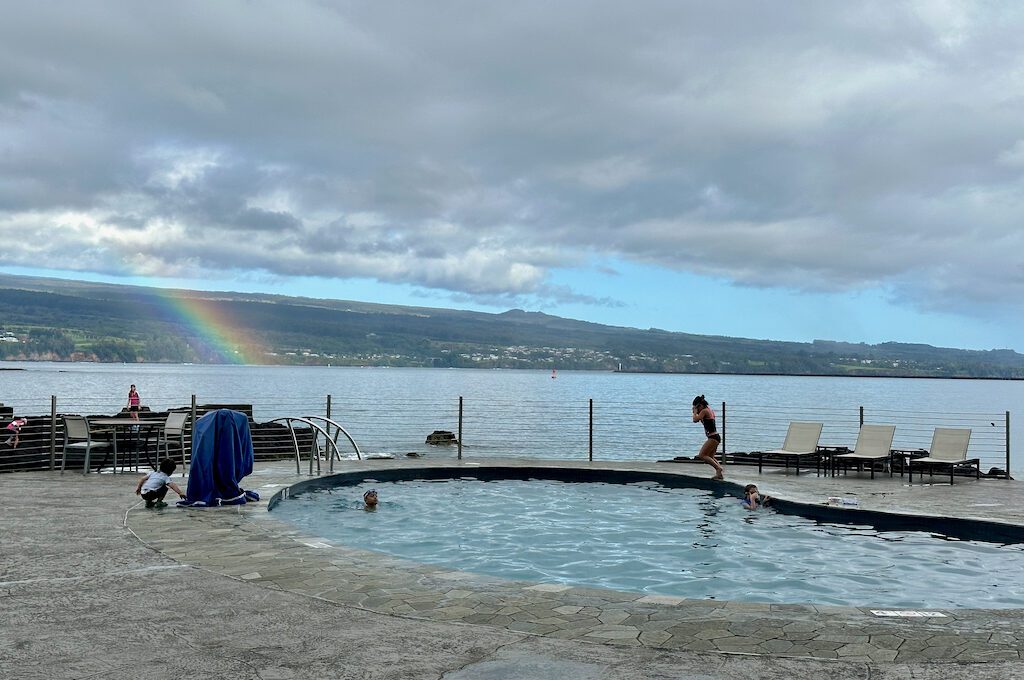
x: 209, y: 321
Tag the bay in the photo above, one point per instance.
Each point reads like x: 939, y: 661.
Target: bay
x: 525, y: 412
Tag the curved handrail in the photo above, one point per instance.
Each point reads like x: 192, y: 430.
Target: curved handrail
x: 295, y: 442
x: 343, y: 431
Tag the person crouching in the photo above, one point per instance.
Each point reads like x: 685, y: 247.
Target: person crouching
x: 153, y: 487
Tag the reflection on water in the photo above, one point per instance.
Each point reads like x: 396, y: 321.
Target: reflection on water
x: 708, y: 507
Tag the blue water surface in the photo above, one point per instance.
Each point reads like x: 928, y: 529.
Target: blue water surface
x: 648, y: 538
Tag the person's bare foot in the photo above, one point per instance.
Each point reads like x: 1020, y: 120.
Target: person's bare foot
x: 719, y: 477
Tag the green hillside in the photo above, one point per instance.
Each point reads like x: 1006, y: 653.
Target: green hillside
x: 50, y: 319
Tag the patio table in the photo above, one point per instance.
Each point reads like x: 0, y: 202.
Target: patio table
x: 124, y: 422
x: 906, y: 455
x: 829, y: 452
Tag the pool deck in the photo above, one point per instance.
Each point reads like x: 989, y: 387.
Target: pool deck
x: 93, y: 585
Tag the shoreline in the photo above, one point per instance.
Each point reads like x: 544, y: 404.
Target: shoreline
x: 540, y: 369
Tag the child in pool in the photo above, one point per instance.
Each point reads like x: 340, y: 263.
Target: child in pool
x: 370, y: 500
x: 752, y: 498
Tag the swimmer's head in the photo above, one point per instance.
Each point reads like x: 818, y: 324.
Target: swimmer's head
x: 750, y: 489
x: 370, y: 498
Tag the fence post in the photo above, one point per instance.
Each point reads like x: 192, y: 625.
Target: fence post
x: 460, y: 428
x: 327, y: 445
x: 1008, y: 445
x: 53, y: 431
x: 723, y: 432
x: 591, y: 430
x: 862, y: 416
x: 192, y: 427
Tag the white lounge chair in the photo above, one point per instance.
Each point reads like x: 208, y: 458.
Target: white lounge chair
x: 948, y: 449
x: 874, y: 443
x: 801, y: 441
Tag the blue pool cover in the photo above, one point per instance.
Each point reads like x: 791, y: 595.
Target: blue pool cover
x: 221, y: 456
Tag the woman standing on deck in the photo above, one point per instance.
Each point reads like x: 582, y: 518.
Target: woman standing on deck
x: 703, y: 414
x: 134, y: 402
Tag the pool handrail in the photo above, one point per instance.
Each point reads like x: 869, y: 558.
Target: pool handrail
x: 295, y: 442
x: 343, y: 431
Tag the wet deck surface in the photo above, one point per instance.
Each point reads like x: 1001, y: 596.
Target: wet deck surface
x: 248, y: 594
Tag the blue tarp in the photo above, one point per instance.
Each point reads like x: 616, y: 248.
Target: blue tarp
x: 221, y: 457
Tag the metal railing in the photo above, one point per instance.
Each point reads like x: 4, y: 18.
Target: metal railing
x: 593, y: 429
x: 331, y: 442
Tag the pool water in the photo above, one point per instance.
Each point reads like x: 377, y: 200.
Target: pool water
x: 648, y: 538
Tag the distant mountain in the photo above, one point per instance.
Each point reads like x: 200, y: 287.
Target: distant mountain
x: 54, y: 319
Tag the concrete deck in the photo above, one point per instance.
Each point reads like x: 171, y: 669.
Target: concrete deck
x: 92, y: 585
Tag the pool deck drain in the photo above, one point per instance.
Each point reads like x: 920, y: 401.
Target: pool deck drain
x: 260, y: 553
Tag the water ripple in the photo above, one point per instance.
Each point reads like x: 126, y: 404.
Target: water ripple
x: 647, y: 538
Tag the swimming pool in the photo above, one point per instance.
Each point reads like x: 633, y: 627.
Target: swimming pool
x: 649, y: 538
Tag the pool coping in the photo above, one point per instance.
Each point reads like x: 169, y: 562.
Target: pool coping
x: 249, y: 544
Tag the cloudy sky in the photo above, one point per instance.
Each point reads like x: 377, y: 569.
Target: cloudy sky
x: 789, y: 170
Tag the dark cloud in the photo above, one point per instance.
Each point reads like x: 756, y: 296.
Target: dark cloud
x: 472, y: 148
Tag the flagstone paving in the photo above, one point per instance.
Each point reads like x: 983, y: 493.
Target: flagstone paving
x: 247, y: 543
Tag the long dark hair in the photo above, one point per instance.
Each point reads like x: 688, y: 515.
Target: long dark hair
x: 700, y: 401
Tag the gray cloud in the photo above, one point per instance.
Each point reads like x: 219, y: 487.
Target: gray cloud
x: 472, y: 148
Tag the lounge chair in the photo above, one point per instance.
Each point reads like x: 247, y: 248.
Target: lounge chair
x: 801, y: 441
x: 874, y: 443
x: 948, y: 449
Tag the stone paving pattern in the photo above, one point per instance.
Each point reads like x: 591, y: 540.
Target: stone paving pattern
x: 234, y: 593
x: 248, y: 544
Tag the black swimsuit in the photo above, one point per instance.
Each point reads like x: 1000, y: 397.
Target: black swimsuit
x: 710, y: 429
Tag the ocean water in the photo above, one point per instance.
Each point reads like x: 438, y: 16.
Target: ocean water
x: 647, y: 538
x: 511, y: 412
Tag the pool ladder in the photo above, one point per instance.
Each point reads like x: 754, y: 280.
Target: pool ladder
x: 318, y: 430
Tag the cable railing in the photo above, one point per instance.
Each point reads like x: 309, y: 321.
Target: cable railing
x: 633, y: 430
